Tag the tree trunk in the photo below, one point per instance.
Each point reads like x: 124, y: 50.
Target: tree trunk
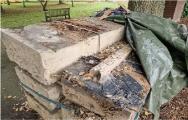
x: 154, y: 7
x: 24, y: 3
x: 60, y: 1
x: 72, y: 1
x: 8, y: 2
x: 2, y: 10
x: 43, y: 4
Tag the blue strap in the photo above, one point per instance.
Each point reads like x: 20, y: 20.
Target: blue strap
x: 58, y: 104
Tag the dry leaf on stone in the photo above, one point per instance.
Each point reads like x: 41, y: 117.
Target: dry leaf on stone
x: 9, y: 96
x: 14, y: 97
x: 16, y: 109
x: 81, y: 73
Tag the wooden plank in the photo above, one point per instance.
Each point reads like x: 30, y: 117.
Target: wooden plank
x: 106, y: 66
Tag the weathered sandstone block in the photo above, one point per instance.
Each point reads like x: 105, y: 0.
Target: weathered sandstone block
x: 52, y: 92
x: 45, y: 49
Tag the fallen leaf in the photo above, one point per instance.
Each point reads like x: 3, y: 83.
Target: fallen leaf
x: 91, y: 61
x: 23, y: 103
x: 146, y: 113
x: 14, y: 97
x: 9, y: 96
x: 81, y: 73
x: 21, y: 108
x: 81, y: 112
x: 26, y: 103
x: 89, y: 75
x: 87, y: 78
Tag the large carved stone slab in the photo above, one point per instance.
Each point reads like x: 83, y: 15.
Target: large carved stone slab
x: 45, y: 49
x: 52, y: 92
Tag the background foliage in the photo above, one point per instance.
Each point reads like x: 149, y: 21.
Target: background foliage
x: 185, y: 12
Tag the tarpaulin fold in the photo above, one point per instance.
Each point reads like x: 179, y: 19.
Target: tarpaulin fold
x: 162, y: 47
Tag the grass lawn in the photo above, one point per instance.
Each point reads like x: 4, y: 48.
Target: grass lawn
x: 16, y: 16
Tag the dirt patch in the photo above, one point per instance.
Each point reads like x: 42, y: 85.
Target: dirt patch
x: 85, y: 25
x: 175, y: 109
x: 76, y: 29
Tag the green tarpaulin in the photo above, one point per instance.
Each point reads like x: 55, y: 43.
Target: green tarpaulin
x: 162, y: 47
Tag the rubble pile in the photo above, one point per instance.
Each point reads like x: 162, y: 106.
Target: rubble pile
x: 77, y: 69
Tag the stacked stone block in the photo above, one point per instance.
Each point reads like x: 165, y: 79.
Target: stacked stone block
x: 47, y: 53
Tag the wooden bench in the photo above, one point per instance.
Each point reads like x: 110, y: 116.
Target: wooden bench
x: 61, y: 12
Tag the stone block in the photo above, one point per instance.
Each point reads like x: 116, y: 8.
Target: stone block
x: 45, y: 49
x: 52, y: 92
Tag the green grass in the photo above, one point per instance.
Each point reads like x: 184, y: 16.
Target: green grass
x: 16, y: 16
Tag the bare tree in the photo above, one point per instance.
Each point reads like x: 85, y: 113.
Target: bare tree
x: 154, y: 7
x: 43, y: 4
